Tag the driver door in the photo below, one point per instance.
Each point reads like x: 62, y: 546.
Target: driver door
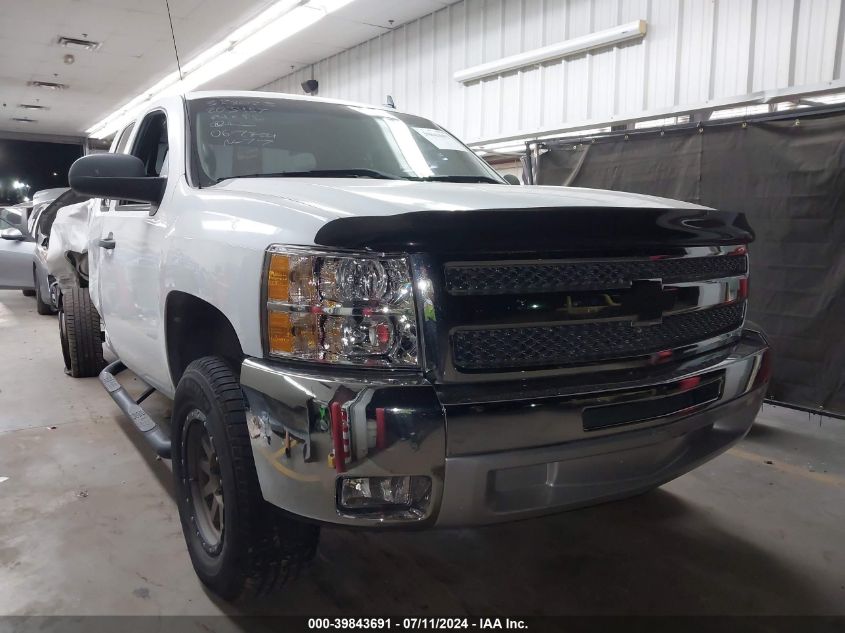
x: 131, y: 237
x: 16, y: 255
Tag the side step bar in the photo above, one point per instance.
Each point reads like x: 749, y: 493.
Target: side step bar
x: 151, y: 431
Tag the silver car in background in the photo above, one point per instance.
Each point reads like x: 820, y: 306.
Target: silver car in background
x: 19, y: 266
x: 17, y: 248
x: 40, y: 223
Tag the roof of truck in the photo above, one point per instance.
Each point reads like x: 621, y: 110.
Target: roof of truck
x: 261, y: 94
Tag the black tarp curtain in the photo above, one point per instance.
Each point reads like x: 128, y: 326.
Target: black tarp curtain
x: 788, y: 175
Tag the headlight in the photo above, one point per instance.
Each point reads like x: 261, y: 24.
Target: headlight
x: 341, y: 308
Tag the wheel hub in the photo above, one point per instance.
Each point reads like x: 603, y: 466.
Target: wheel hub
x: 205, y: 482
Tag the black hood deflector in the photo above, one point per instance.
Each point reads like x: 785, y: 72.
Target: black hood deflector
x: 567, y: 229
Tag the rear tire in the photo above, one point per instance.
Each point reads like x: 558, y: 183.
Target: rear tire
x: 63, y: 335
x: 79, y: 329
x: 239, y: 544
x: 28, y: 292
x: 44, y: 308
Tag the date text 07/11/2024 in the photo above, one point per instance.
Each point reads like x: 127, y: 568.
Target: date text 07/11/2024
x: 412, y: 624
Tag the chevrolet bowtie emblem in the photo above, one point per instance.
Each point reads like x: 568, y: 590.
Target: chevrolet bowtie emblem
x: 648, y: 300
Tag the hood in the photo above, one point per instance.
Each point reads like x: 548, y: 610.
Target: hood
x: 350, y: 197
x: 407, y: 216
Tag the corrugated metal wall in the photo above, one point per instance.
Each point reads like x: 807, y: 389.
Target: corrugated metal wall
x: 695, y: 52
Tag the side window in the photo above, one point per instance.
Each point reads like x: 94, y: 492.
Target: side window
x: 119, y: 148
x: 124, y: 139
x: 150, y: 145
x: 10, y: 219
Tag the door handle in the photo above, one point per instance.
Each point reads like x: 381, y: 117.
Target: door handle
x: 107, y: 243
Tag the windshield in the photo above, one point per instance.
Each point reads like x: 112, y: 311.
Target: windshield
x: 253, y: 137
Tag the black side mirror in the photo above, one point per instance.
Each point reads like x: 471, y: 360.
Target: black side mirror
x: 511, y: 179
x: 118, y: 176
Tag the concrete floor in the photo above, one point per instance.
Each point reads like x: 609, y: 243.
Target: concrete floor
x: 88, y: 525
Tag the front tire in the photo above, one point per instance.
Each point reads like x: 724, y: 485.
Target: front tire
x: 239, y: 544
x: 79, y: 330
x: 28, y: 292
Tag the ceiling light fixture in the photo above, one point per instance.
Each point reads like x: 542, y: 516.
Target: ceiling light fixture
x: 32, y: 106
x: 566, y: 48
x: 47, y: 85
x: 501, y: 148
x: 23, y: 119
x: 78, y: 44
x: 282, y: 20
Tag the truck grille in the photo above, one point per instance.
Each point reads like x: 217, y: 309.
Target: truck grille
x: 510, y: 278
x: 504, y: 317
x: 578, y: 343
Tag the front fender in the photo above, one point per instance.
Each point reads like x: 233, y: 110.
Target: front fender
x: 215, y: 251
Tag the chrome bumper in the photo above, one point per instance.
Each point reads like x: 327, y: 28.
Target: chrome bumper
x: 499, y: 460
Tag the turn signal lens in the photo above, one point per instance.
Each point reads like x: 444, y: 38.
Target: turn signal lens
x: 292, y: 334
x: 278, y: 279
x: 280, y: 332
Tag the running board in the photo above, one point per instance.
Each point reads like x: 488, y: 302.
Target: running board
x: 151, y: 431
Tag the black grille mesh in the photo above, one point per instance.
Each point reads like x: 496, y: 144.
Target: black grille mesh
x: 518, y: 347
x: 498, y: 279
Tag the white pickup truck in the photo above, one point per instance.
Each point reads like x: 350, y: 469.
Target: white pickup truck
x: 361, y: 323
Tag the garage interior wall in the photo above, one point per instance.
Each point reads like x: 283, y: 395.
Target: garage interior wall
x: 694, y: 53
x: 787, y: 175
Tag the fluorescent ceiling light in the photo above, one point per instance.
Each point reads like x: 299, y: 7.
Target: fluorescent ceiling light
x: 741, y: 111
x: 507, y: 147
x: 282, y: 20
x: 575, y: 46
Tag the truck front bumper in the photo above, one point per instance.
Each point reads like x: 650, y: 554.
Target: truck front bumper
x: 533, y: 455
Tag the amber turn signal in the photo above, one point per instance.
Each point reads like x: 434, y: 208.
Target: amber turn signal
x: 280, y: 332
x: 278, y: 278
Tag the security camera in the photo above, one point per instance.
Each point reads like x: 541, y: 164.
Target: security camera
x: 310, y: 86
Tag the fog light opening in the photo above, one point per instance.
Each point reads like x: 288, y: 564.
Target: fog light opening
x: 401, y: 497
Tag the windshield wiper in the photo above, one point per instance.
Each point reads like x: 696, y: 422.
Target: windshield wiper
x: 320, y: 173
x: 486, y: 179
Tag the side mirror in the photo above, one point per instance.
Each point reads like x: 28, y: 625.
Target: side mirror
x: 117, y: 176
x: 12, y: 234
x: 511, y: 179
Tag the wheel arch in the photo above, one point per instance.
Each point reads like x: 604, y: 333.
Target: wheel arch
x: 41, y: 277
x: 195, y: 328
